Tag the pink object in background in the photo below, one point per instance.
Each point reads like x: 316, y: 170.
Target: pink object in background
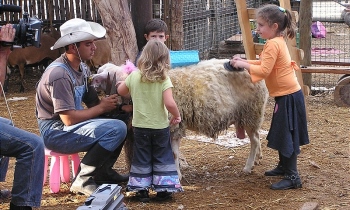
x: 318, y: 30
x: 129, y: 67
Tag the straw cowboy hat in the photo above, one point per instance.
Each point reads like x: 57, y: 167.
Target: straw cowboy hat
x: 77, y: 30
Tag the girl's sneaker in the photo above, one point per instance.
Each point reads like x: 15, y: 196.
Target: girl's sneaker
x: 162, y: 196
x: 143, y: 196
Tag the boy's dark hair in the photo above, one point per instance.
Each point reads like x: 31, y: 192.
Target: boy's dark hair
x: 156, y: 25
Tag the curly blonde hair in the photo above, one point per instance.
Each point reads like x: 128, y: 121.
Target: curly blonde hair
x: 154, y: 62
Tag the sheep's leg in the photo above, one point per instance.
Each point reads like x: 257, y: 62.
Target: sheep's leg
x: 255, y: 150
x: 175, y: 146
x: 21, y: 71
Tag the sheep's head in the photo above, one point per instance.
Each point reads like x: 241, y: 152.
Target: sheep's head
x: 99, y: 80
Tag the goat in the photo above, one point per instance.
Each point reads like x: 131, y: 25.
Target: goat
x: 21, y: 57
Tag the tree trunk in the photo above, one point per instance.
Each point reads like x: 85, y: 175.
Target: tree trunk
x: 174, y: 10
x: 141, y: 14
x: 116, y: 18
x: 305, y: 21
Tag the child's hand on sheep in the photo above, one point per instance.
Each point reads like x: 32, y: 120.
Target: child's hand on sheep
x: 240, y: 63
x: 175, y: 120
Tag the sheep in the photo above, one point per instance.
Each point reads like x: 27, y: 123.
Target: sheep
x: 210, y: 99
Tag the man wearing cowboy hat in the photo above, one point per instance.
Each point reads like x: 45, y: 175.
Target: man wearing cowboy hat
x: 64, y: 124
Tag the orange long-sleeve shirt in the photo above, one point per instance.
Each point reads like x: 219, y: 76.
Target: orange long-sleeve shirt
x: 276, y: 67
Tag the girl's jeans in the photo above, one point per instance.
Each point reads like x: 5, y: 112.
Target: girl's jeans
x: 28, y: 149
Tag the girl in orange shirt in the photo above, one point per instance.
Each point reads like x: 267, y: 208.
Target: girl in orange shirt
x: 288, y: 129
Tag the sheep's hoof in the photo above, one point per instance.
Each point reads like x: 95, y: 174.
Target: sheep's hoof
x: 180, y: 176
x: 183, y: 162
x: 257, y: 161
x: 247, y: 170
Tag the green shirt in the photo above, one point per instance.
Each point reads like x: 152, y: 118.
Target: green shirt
x: 149, y: 110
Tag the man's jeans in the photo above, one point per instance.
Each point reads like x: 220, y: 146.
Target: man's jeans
x: 109, y: 133
x: 28, y: 149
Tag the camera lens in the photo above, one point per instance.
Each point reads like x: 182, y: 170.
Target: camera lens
x: 20, y: 36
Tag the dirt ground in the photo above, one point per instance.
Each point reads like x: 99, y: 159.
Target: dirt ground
x: 213, y: 179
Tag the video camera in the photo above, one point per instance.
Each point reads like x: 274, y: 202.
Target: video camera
x: 28, y: 30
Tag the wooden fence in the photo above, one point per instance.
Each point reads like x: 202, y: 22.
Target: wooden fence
x: 52, y: 12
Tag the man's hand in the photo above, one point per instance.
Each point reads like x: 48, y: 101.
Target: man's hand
x: 7, y: 33
x: 109, y: 103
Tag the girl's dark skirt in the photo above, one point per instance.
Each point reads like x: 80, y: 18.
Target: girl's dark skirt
x: 288, y: 129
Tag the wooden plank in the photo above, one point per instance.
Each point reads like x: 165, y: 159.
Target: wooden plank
x: 71, y: 15
x: 83, y: 9
x: 25, y: 7
x: 33, y: 11
x: 295, y: 16
x: 258, y: 48
x: 62, y: 11
x: 244, y: 23
x: 47, y: 9
x: 78, y: 9
x: 94, y: 18
x: 43, y: 15
x: 56, y: 9
x: 251, y: 13
x: 330, y: 62
x: 17, y: 16
x: 88, y: 9
x: 326, y: 70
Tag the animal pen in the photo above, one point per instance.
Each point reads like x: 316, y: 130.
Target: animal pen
x: 212, y: 28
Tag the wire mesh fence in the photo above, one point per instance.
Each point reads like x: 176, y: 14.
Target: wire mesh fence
x: 331, y: 49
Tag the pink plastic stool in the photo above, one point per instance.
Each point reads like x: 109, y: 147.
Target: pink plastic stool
x: 59, y: 168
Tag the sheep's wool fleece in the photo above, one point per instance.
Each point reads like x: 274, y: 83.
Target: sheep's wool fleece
x: 210, y: 98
